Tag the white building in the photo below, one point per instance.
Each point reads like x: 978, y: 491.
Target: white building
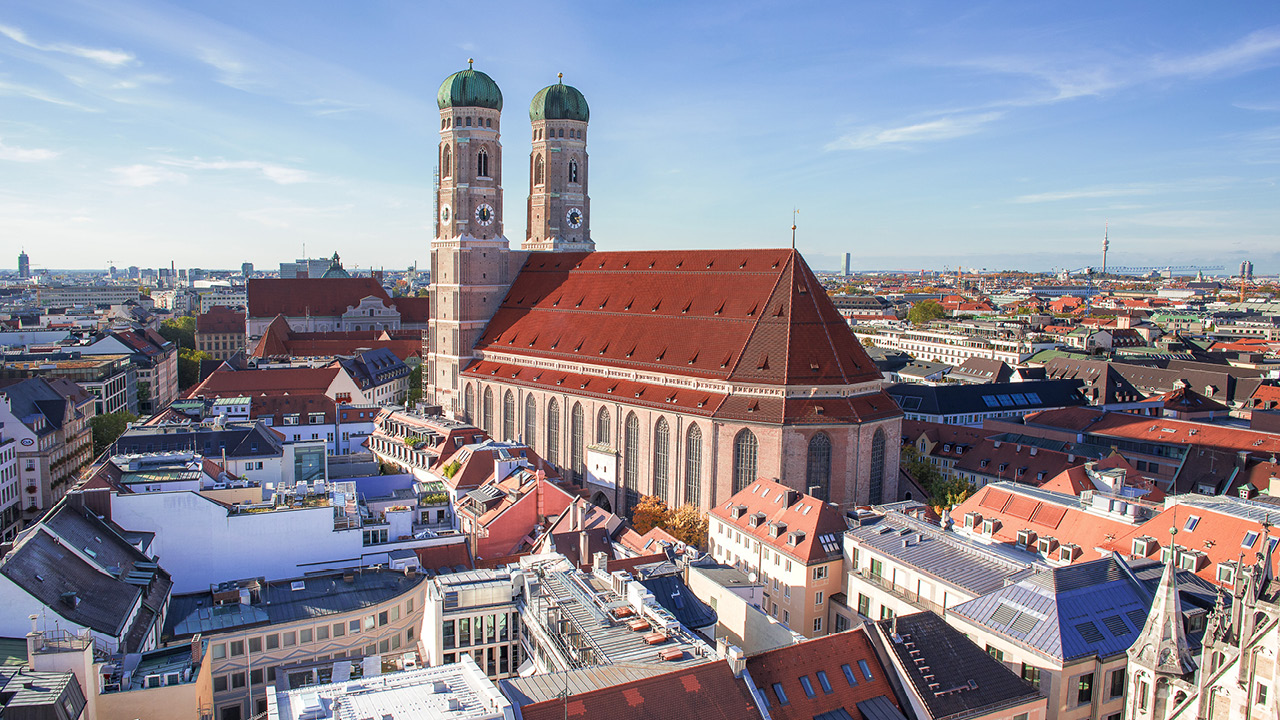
x: 473, y: 615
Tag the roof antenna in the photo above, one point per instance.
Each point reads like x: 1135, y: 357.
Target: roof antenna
x: 794, y: 212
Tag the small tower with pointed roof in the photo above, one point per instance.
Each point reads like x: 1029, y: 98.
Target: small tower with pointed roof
x: 1161, y: 665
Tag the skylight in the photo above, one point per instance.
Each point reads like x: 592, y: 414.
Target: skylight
x: 1191, y: 523
x: 1250, y: 538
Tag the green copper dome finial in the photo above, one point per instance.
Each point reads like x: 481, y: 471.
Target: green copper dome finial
x: 559, y: 102
x: 469, y: 88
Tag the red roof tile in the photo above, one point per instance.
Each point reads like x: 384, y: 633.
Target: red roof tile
x: 299, y: 297
x: 786, y: 665
x: 708, y: 692
x: 804, y: 513
x: 1065, y: 522
x: 1162, y: 430
x: 274, y: 381
x: 220, y: 319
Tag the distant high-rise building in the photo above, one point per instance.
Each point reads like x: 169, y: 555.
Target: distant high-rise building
x: 133, y: 272
x: 848, y: 260
x: 246, y: 269
x: 305, y: 267
x: 1246, y: 270
x: 24, y: 265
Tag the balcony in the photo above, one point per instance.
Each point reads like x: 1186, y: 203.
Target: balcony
x: 900, y: 592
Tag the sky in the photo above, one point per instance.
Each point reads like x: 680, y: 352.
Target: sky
x: 910, y: 134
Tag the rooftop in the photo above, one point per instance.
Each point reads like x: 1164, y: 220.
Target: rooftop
x: 802, y: 681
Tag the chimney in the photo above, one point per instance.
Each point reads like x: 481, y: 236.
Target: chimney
x: 584, y: 547
x: 575, y: 516
x: 600, y: 561
x: 197, y: 649
x: 737, y: 660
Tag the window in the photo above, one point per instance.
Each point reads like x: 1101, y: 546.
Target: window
x: 819, y: 572
x: 1031, y: 674
x: 1117, y: 683
x: 273, y: 642
x: 848, y: 675
x: 255, y: 644
x: 886, y: 612
x: 219, y: 683
x: 1262, y: 694
x: 877, y: 568
x: 539, y: 170
x: 817, y: 598
x: 576, y: 442
x: 866, y: 670
x: 237, y: 648
x: 237, y: 680
x: 486, y: 411
x: 446, y: 162
x: 530, y: 419
x: 602, y: 427
x: 817, y: 624
x: 782, y: 694
x: 382, y: 618
x: 354, y: 626
x: 661, y: 457
x: 1250, y: 538
x: 322, y: 632
x: 482, y: 163
x: 744, y: 459
x: 289, y: 639
x: 876, y: 492
x: 1191, y: 523
x: 219, y: 651
x: 996, y: 653
x: 468, y: 404
x: 864, y: 605
x: 842, y: 623
x: 509, y: 416
x: 818, y: 467
x: 693, y: 465
x: 631, y: 459
x: 1084, y: 689
x: 339, y: 630
x: 553, y: 432
x: 824, y: 682
x: 304, y: 636
x: 573, y: 171
x: 807, y: 686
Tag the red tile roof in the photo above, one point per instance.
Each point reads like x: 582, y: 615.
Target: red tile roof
x: 1266, y: 397
x: 1162, y: 430
x: 278, y: 340
x: 707, y: 692
x: 413, y: 309
x: 299, y: 297
x: 803, y: 513
x: 756, y: 316
x: 220, y: 319
x: 1022, y: 463
x: 274, y: 381
x: 277, y: 406
x: 1064, y: 522
x: 786, y: 665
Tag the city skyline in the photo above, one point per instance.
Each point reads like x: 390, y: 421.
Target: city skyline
x: 917, y: 136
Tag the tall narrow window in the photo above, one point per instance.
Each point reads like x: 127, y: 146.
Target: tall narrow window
x: 693, y: 465
x: 876, y: 494
x: 818, y: 469
x: 539, y: 170
x: 553, y: 432
x: 573, y: 171
x: 482, y: 163
x: 631, y: 459
x: 744, y: 459
x: 469, y: 403
x: 446, y: 162
x: 578, y: 465
x: 509, y: 416
x: 530, y: 419
x: 661, y: 457
x: 486, y: 412
x: 602, y: 427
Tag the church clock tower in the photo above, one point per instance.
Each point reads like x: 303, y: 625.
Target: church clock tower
x: 470, y: 257
x: 559, y: 207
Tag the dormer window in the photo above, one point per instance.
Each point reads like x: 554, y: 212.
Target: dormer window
x: 1068, y: 552
x: 1144, y: 545
x: 795, y: 537
x: 1027, y: 538
x: 1250, y: 538
x: 1227, y: 573
x: 972, y: 520
x: 755, y: 520
x: 777, y: 529
x: 737, y: 511
x: 990, y: 526
x: 1047, y: 545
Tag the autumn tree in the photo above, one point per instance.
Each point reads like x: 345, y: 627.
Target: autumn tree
x: 925, y: 311
x: 650, y: 512
x: 688, y: 524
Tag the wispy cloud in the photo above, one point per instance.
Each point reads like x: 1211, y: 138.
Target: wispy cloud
x: 276, y: 173
x: 110, y: 58
x: 291, y: 215
x: 1206, y: 184
x: 17, y: 154
x: 8, y: 88
x: 1257, y: 49
x: 145, y: 175
x: 327, y: 106
x: 944, y: 128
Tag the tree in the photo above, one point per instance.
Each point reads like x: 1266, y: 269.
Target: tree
x: 650, y: 512
x: 106, y: 428
x: 943, y: 493
x: 180, y: 331
x: 415, y: 386
x: 688, y: 524
x: 924, y: 311
x: 189, y: 366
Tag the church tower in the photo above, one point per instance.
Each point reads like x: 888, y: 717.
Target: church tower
x: 1161, y: 667
x: 470, y: 257
x: 559, y: 207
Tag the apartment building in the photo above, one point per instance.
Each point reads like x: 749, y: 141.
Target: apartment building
x: 473, y: 615
x: 789, y: 540
x: 73, y: 295
x: 10, y: 488
x: 112, y: 380
x: 49, y: 419
x: 255, y: 627
x: 955, y: 344
x: 220, y: 331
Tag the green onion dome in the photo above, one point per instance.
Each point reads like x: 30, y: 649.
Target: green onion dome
x: 559, y: 102
x: 469, y: 88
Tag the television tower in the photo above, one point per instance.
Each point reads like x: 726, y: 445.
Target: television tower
x: 1106, y: 243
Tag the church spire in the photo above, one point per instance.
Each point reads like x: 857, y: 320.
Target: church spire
x: 1162, y: 645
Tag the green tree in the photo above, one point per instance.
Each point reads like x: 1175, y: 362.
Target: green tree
x: 106, y: 428
x: 943, y: 493
x: 924, y: 311
x: 415, y: 386
x: 180, y: 331
x: 189, y: 366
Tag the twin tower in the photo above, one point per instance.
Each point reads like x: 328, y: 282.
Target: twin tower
x: 469, y: 200
x: 472, y: 264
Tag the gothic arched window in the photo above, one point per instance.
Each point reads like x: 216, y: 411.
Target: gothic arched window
x: 661, y: 457
x: 817, y: 476
x: 744, y: 459
x: 469, y: 403
x: 602, y: 427
x: 576, y: 431
x: 530, y: 420
x: 486, y: 412
x: 539, y: 170
x: 446, y: 162
x: 553, y: 432
x: 876, y: 495
x: 631, y: 459
x: 693, y: 465
x: 509, y: 416
x: 573, y: 171
x: 482, y: 163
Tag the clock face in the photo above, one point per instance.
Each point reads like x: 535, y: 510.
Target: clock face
x: 484, y: 214
x: 574, y: 218
x: 446, y: 214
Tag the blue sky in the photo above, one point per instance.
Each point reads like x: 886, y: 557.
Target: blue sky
x: 912, y: 134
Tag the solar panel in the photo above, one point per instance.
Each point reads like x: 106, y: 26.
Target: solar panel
x: 1090, y: 632
x: 1019, y: 399
x: 1033, y: 398
x: 990, y: 401
x: 1115, y: 625
x: 1005, y: 400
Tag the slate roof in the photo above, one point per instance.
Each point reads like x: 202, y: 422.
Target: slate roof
x: 960, y: 399
x: 982, y: 370
x: 708, y: 691
x: 374, y: 366
x: 241, y: 440
x: 1103, y: 384
x: 1096, y: 608
x: 1158, y: 430
x: 36, y: 397
x: 828, y: 655
x: 957, y: 678
x: 754, y: 316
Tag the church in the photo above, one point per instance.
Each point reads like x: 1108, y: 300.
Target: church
x: 685, y: 374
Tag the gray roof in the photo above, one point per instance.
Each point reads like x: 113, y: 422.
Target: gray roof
x: 877, y: 708
x: 952, y: 675
x: 35, y: 397
x: 51, y: 695
x: 943, y: 555
x: 536, y: 688
x: 241, y: 440
x: 318, y: 596
x: 672, y: 594
x: 1077, y: 611
x: 957, y: 399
